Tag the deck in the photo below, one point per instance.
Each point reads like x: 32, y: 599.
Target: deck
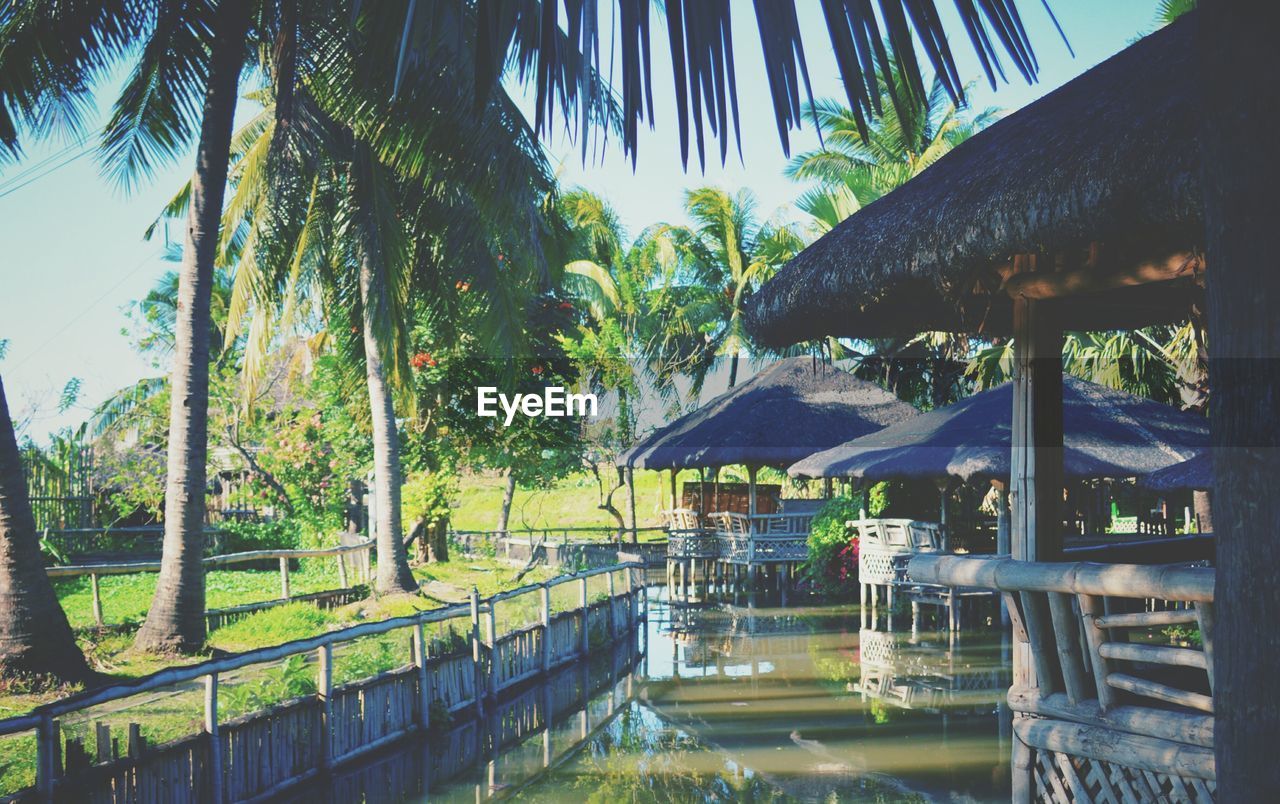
x: 729, y: 553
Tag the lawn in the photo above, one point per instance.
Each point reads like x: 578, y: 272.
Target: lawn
x: 569, y: 503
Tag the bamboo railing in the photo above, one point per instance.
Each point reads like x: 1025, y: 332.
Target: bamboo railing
x: 262, y: 753
x: 1109, y: 707
x: 359, y: 571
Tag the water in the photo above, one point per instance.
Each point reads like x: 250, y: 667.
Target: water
x: 742, y: 704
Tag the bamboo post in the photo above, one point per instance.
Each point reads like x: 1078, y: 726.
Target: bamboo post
x: 613, y: 626
x: 752, y: 506
x: 324, y: 688
x: 342, y: 570
x: 284, y: 578
x: 475, y: 648
x: 585, y: 635
x: 97, y: 599
x: 46, y: 757
x: 546, y: 631
x: 215, y: 741
x: 424, y: 680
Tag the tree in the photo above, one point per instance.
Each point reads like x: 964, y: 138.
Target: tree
x: 35, y: 637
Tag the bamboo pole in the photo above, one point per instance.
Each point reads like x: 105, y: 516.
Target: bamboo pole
x: 215, y: 740
x: 546, y: 629
x: 475, y: 649
x: 284, y: 578
x: 420, y: 655
x: 585, y: 635
x: 324, y: 689
x: 97, y: 599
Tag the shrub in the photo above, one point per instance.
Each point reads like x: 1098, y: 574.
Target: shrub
x: 833, y: 548
x: 281, y: 534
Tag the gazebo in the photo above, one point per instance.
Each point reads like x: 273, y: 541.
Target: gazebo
x: 791, y: 409
x: 1081, y: 211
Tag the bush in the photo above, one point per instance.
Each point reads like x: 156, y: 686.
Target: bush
x: 280, y: 534
x: 833, y: 548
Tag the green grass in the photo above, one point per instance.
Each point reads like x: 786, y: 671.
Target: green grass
x: 126, y: 598
x: 569, y: 503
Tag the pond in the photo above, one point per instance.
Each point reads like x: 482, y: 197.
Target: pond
x: 736, y: 703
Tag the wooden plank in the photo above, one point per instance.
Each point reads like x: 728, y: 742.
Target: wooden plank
x: 1091, y: 609
x: 1039, y: 623
x: 1066, y: 629
x: 1161, y: 692
x: 215, y: 741
x: 1204, y: 616
x: 1167, y: 724
x: 1155, y: 654
x: 1148, y: 619
x: 324, y: 689
x: 1129, y: 750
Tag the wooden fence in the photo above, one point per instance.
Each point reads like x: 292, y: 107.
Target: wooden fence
x: 60, y: 488
x: 1114, y: 705
x: 261, y: 753
x: 352, y: 559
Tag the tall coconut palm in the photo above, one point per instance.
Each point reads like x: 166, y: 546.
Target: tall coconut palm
x: 183, y: 86
x: 364, y: 215
x: 35, y: 638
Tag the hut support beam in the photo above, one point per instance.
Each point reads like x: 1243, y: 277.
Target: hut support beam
x: 752, y: 509
x: 1036, y: 467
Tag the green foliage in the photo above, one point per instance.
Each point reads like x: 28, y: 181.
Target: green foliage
x: 832, y: 567
x: 292, y: 678
x: 276, y: 534
x: 426, y: 496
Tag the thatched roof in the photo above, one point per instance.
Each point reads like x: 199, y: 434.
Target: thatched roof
x: 791, y: 409
x: 1107, y: 433
x: 1110, y: 158
x: 1195, y: 474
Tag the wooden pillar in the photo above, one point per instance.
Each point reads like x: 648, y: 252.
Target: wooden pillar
x: 585, y: 636
x: 1036, y: 467
x: 476, y: 660
x: 752, y: 508
x: 827, y: 491
x: 284, y: 578
x: 97, y: 599
x: 675, y: 489
x: 944, y: 485
x: 630, y: 473
x: 546, y: 631
x: 215, y: 741
x: 420, y: 656
x: 324, y: 688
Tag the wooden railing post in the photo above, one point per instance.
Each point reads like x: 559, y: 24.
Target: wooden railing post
x: 546, y: 629
x: 97, y: 599
x: 46, y: 757
x: 284, y: 578
x: 585, y: 635
x: 324, y: 688
x: 613, y: 626
x: 476, y: 660
x: 342, y: 570
x: 420, y: 656
x: 215, y: 741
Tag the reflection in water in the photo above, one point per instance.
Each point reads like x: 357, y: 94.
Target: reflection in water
x: 740, y: 704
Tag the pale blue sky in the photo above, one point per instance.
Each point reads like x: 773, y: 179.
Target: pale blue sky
x: 74, y: 257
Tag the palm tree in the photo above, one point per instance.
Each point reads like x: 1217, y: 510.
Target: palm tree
x: 358, y: 216
x: 734, y: 253
x: 35, y: 638
x: 852, y: 170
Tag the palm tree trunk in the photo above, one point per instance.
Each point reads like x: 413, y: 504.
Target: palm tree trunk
x: 394, y: 574
x: 35, y: 638
x: 1241, y: 111
x: 508, y: 495
x: 176, y: 618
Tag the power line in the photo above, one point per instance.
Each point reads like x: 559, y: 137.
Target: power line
x: 10, y: 188
x: 141, y: 263
x: 38, y: 164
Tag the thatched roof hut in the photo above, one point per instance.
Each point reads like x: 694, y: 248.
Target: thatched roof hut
x: 1106, y: 433
x: 1102, y: 174
x: 791, y: 409
x: 1195, y: 474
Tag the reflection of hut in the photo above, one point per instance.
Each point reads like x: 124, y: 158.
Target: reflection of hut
x: 793, y: 408
x: 1082, y: 211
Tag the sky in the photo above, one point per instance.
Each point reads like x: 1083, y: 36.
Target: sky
x: 72, y: 253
